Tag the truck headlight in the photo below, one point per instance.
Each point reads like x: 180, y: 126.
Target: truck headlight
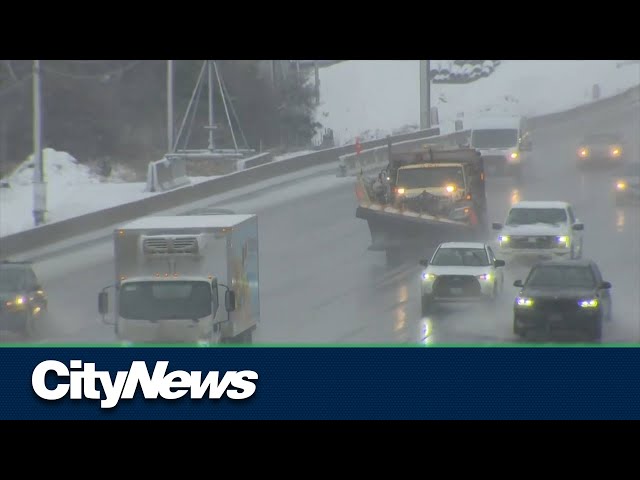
x: 18, y: 302
x: 563, y: 240
x: 428, y: 277
x: 589, y: 303
x: 503, y: 238
x: 621, y: 185
x: 450, y: 188
x: 485, y: 276
x: 524, y: 301
x: 513, y: 157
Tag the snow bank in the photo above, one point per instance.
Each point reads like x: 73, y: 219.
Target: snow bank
x: 378, y: 97
x: 72, y: 190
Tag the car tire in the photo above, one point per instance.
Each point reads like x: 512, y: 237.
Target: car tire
x: 30, y: 329
x: 426, y: 304
x: 595, y: 333
x: 518, y: 331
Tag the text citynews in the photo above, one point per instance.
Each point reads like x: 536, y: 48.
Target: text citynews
x: 83, y: 379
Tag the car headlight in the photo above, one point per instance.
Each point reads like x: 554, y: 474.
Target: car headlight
x: 589, y: 303
x: 504, y: 238
x: 563, y: 240
x: 400, y: 191
x: 18, y: 302
x: 621, y: 185
x: 513, y: 156
x: 450, y: 188
x: 524, y: 301
x: 616, y: 151
x: 485, y: 276
x: 583, y: 152
x: 428, y: 277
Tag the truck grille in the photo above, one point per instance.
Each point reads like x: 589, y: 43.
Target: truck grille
x: 541, y: 242
x: 452, y: 286
x: 165, y: 245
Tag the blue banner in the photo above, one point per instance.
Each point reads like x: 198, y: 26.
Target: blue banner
x: 329, y: 383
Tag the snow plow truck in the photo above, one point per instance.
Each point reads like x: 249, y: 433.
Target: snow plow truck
x: 422, y: 198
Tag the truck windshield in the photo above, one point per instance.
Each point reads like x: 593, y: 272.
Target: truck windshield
x: 494, y: 138
x: 530, y: 216
x: 430, y: 177
x: 165, y: 300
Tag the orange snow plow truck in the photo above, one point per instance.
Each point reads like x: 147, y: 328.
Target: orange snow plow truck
x: 423, y: 198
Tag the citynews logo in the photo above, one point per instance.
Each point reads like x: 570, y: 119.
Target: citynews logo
x: 83, y: 380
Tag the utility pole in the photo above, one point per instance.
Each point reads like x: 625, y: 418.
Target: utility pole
x: 425, y: 94
x: 39, y: 186
x: 317, y: 79
x: 211, y: 118
x: 170, y: 106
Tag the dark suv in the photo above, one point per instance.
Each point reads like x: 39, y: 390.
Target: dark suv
x: 22, y: 299
x: 563, y: 295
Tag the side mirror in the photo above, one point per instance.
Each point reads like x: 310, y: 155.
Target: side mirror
x: 424, y: 263
x: 230, y: 300
x: 103, y: 303
x: 496, y: 226
x: 499, y: 263
x: 518, y: 283
x: 577, y: 227
x: 605, y: 285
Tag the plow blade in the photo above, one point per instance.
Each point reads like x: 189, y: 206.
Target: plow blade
x: 392, y: 229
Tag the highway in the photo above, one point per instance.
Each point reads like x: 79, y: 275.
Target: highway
x: 320, y: 285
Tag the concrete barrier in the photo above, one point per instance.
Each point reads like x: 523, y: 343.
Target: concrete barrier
x: 254, y: 161
x: 167, y: 174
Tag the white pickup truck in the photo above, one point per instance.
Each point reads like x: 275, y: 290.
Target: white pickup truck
x: 540, y: 229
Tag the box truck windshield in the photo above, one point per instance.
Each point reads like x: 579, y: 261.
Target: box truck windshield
x: 164, y: 300
x: 494, y: 138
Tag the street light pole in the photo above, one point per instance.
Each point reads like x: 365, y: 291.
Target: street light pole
x: 170, y: 124
x: 39, y: 185
x: 425, y: 94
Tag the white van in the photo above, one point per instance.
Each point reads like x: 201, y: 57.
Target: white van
x: 503, y: 142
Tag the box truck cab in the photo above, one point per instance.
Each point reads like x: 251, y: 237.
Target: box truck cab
x: 503, y: 142
x: 185, y: 279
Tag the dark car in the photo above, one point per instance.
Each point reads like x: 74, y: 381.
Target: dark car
x: 22, y: 299
x: 600, y: 149
x: 562, y: 295
x: 626, y: 186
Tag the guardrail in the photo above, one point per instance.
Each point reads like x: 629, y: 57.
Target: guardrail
x: 49, y: 234
x: 378, y: 157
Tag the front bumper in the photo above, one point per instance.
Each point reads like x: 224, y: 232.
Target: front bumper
x: 580, y: 320
x: 13, y: 321
x: 481, y: 291
x: 534, y: 253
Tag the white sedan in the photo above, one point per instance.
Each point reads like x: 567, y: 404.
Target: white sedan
x: 460, y: 272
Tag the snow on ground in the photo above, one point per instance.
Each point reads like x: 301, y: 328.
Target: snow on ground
x: 72, y: 190
x: 373, y: 98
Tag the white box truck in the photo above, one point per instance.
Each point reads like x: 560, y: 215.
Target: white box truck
x: 171, y: 273
x: 503, y: 142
